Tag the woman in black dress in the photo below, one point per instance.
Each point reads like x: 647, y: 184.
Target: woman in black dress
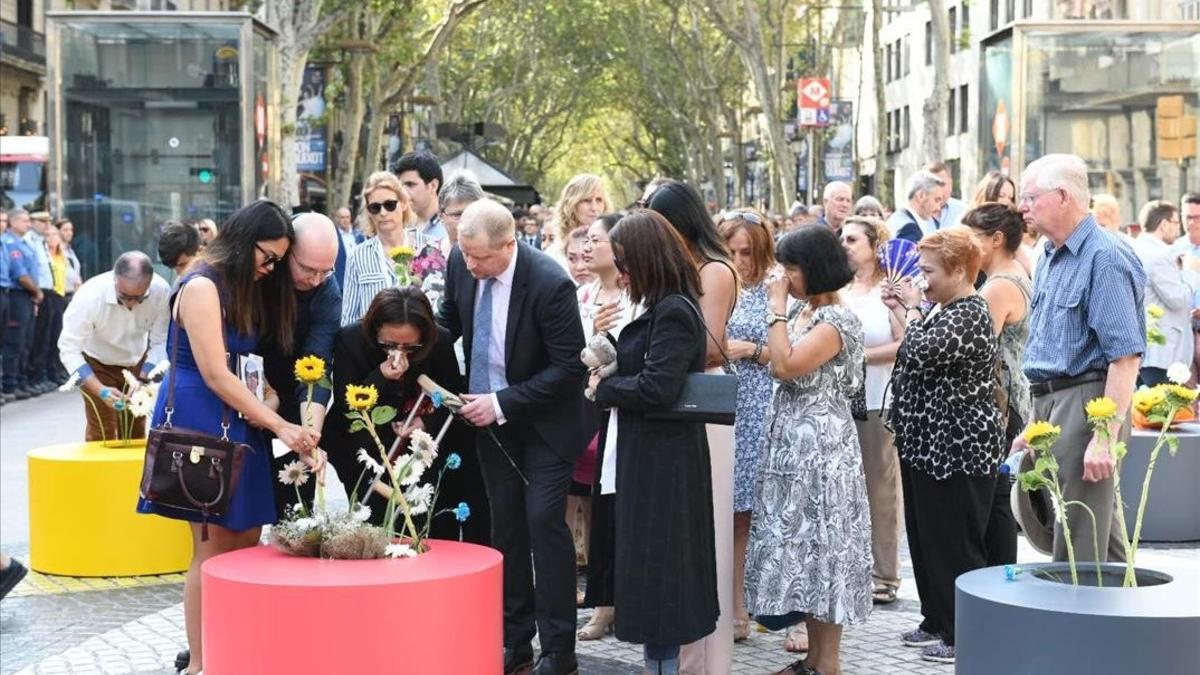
x: 396, y: 342
x: 665, y: 576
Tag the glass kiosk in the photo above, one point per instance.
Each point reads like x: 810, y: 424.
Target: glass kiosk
x: 157, y: 116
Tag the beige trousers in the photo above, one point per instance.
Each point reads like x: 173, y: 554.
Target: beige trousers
x: 713, y: 654
x: 881, y: 465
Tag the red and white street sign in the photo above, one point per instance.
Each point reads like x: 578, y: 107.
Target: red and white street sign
x: 813, y: 95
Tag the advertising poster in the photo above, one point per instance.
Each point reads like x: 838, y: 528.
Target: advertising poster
x: 839, y: 143
x: 310, y: 122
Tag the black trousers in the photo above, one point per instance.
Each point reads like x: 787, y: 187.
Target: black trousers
x: 3, y: 324
x: 946, y: 522
x: 18, y: 335
x: 529, y: 528
x: 43, y: 354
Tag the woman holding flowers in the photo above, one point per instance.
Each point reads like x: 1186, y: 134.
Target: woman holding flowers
x: 809, y: 550
x: 396, y: 342
x: 219, y: 309
x: 862, y: 238
x: 999, y: 231
x: 665, y: 586
x: 947, y: 427
x: 371, y: 266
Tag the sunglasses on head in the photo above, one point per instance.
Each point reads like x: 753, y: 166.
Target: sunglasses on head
x: 748, y: 216
x: 389, y: 205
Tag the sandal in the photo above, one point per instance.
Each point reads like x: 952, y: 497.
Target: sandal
x: 741, y: 629
x: 797, y: 640
x: 884, y: 595
x: 599, y: 625
x: 798, y: 668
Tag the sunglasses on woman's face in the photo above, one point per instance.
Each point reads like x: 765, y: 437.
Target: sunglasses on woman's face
x: 389, y: 205
x: 396, y: 347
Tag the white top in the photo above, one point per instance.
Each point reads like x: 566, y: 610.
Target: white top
x: 501, y: 293
x: 97, y: 325
x: 877, y: 330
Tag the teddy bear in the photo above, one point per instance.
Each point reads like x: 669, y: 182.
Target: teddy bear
x: 600, y: 356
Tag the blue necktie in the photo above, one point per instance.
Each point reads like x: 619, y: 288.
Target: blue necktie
x: 481, y: 343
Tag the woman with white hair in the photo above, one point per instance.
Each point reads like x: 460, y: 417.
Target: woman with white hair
x: 455, y: 196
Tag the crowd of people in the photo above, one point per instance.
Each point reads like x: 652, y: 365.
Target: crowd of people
x: 865, y: 400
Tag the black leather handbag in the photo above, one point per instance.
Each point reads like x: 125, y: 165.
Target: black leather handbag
x: 190, y: 471
x: 710, y: 398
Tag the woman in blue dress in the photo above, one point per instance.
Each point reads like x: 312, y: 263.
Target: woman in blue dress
x: 749, y: 241
x: 236, y: 293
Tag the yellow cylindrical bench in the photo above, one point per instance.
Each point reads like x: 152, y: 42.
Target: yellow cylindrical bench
x: 83, y: 520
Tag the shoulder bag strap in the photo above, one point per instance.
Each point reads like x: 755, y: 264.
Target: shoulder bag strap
x: 700, y: 316
x: 170, y: 407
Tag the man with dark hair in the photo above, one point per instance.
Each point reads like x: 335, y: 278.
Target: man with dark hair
x: 117, y: 321
x: 178, y: 245
x: 953, y: 208
x: 1170, y: 287
x: 528, y: 229
x: 421, y: 176
x: 24, y: 296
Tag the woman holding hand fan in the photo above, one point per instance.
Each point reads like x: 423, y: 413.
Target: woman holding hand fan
x: 866, y: 242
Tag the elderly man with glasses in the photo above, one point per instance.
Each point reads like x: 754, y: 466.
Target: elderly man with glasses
x: 318, y: 318
x: 1087, y: 336
x: 117, y: 322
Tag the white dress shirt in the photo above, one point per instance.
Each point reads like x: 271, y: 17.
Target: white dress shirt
x: 96, y: 324
x: 501, y: 293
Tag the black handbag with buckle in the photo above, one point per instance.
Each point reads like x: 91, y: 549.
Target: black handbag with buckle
x: 187, y: 470
x: 710, y: 398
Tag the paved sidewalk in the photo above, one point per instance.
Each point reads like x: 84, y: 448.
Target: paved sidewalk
x: 57, y: 625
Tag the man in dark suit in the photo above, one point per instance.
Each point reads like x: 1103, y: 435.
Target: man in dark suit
x: 516, y: 311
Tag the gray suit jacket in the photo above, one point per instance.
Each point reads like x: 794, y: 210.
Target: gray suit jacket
x: 1171, y: 288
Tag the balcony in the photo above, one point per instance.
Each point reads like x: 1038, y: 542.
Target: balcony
x: 22, y: 43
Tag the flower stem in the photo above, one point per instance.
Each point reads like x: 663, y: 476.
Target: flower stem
x: 99, y: 420
x: 397, y: 493
x: 1131, y: 558
x: 1056, y: 493
x: 1095, y: 540
x: 308, y: 422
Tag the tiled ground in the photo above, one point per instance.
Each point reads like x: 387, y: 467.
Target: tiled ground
x: 54, y: 625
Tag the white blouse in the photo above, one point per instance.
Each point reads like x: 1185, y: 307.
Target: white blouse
x: 877, y: 331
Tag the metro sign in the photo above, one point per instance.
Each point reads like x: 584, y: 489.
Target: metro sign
x: 814, y: 99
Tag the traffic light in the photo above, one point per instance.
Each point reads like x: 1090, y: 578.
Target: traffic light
x: 204, y: 175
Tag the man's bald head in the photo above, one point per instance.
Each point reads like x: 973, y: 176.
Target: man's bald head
x: 315, y: 252
x: 487, y: 219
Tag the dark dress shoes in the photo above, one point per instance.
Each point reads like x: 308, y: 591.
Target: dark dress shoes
x: 518, y: 660
x: 556, y: 663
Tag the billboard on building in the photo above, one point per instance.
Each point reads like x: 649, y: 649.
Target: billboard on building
x: 995, y: 108
x: 839, y: 143
x: 310, y: 121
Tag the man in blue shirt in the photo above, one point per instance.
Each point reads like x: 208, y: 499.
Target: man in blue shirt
x: 1087, y: 335
x: 23, y: 298
x: 421, y: 176
x: 953, y: 209
x: 318, y: 318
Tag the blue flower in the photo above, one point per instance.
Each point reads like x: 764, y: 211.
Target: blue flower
x: 453, y: 461
x: 1011, y: 572
x: 119, y: 406
x: 437, y: 398
x: 462, y: 512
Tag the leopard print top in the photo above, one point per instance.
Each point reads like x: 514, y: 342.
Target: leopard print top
x: 944, y: 411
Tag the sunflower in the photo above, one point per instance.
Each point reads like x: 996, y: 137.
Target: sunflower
x: 1146, y: 399
x: 401, y: 253
x: 310, y: 369
x: 1154, y: 311
x: 1101, y: 408
x: 1184, y: 394
x: 361, y: 398
x: 1041, y: 431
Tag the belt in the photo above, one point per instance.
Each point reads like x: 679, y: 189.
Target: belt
x: 1064, y: 383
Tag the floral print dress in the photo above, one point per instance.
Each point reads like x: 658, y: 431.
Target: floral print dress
x: 810, y: 538
x: 753, y: 396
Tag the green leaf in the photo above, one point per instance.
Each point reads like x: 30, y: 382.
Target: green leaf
x: 1120, y: 450
x: 383, y: 414
x: 357, y: 425
x: 1173, y: 444
x: 325, y: 383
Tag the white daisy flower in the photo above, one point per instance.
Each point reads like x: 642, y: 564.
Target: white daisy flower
x: 141, y: 403
x: 419, y: 498
x: 71, y: 382
x: 362, y: 513
x: 399, y: 551
x: 294, y: 473
x: 130, y: 380
x: 159, y: 369
x: 305, y: 523
x: 423, y: 446
x: 365, y: 458
x: 1179, y: 373
x: 413, y: 473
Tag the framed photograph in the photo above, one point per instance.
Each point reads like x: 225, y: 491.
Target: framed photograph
x: 250, y: 370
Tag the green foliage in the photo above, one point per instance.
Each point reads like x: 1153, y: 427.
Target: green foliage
x: 383, y: 414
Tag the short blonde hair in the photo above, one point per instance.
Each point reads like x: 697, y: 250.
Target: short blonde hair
x: 577, y: 189
x: 386, y: 180
x: 1107, y: 211
x: 956, y: 248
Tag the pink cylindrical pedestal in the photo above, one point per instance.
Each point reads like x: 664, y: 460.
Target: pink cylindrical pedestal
x: 266, y: 612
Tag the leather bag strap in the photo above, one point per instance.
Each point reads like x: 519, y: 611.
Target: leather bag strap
x: 170, y: 408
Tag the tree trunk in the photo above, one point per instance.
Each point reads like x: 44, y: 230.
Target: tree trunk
x: 352, y: 119
x: 935, y: 120
x: 883, y: 181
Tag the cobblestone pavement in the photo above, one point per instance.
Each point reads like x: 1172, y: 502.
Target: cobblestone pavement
x: 55, y: 625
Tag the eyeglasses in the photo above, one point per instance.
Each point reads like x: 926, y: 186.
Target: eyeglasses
x: 1028, y: 198
x: 452, y: 214
x: 389, y: 205
x: 269, y: 258
x: 132, y: 299
x: 311, y: 271
x: 397, y: 347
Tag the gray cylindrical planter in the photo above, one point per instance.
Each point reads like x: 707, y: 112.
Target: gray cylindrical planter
x: 1031, y: 625
x: 1174, y: 500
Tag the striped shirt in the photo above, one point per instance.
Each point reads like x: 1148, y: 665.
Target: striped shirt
x: 1088, y: 305
x: 368, y: 271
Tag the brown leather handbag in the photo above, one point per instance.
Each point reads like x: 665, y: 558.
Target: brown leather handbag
x: 190, y: 471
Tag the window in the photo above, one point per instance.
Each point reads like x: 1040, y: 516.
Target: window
x: 929, y: 43
x: 994, y: 15
x: 951, y: 101
x: 887, y: 57
x: 964, y: 30
x: 1027, y: 9
x: 952, y: 17
x: 904, y: 129
x: 1012, y: 11
x: 906, y: 54
x: 963, y: 105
